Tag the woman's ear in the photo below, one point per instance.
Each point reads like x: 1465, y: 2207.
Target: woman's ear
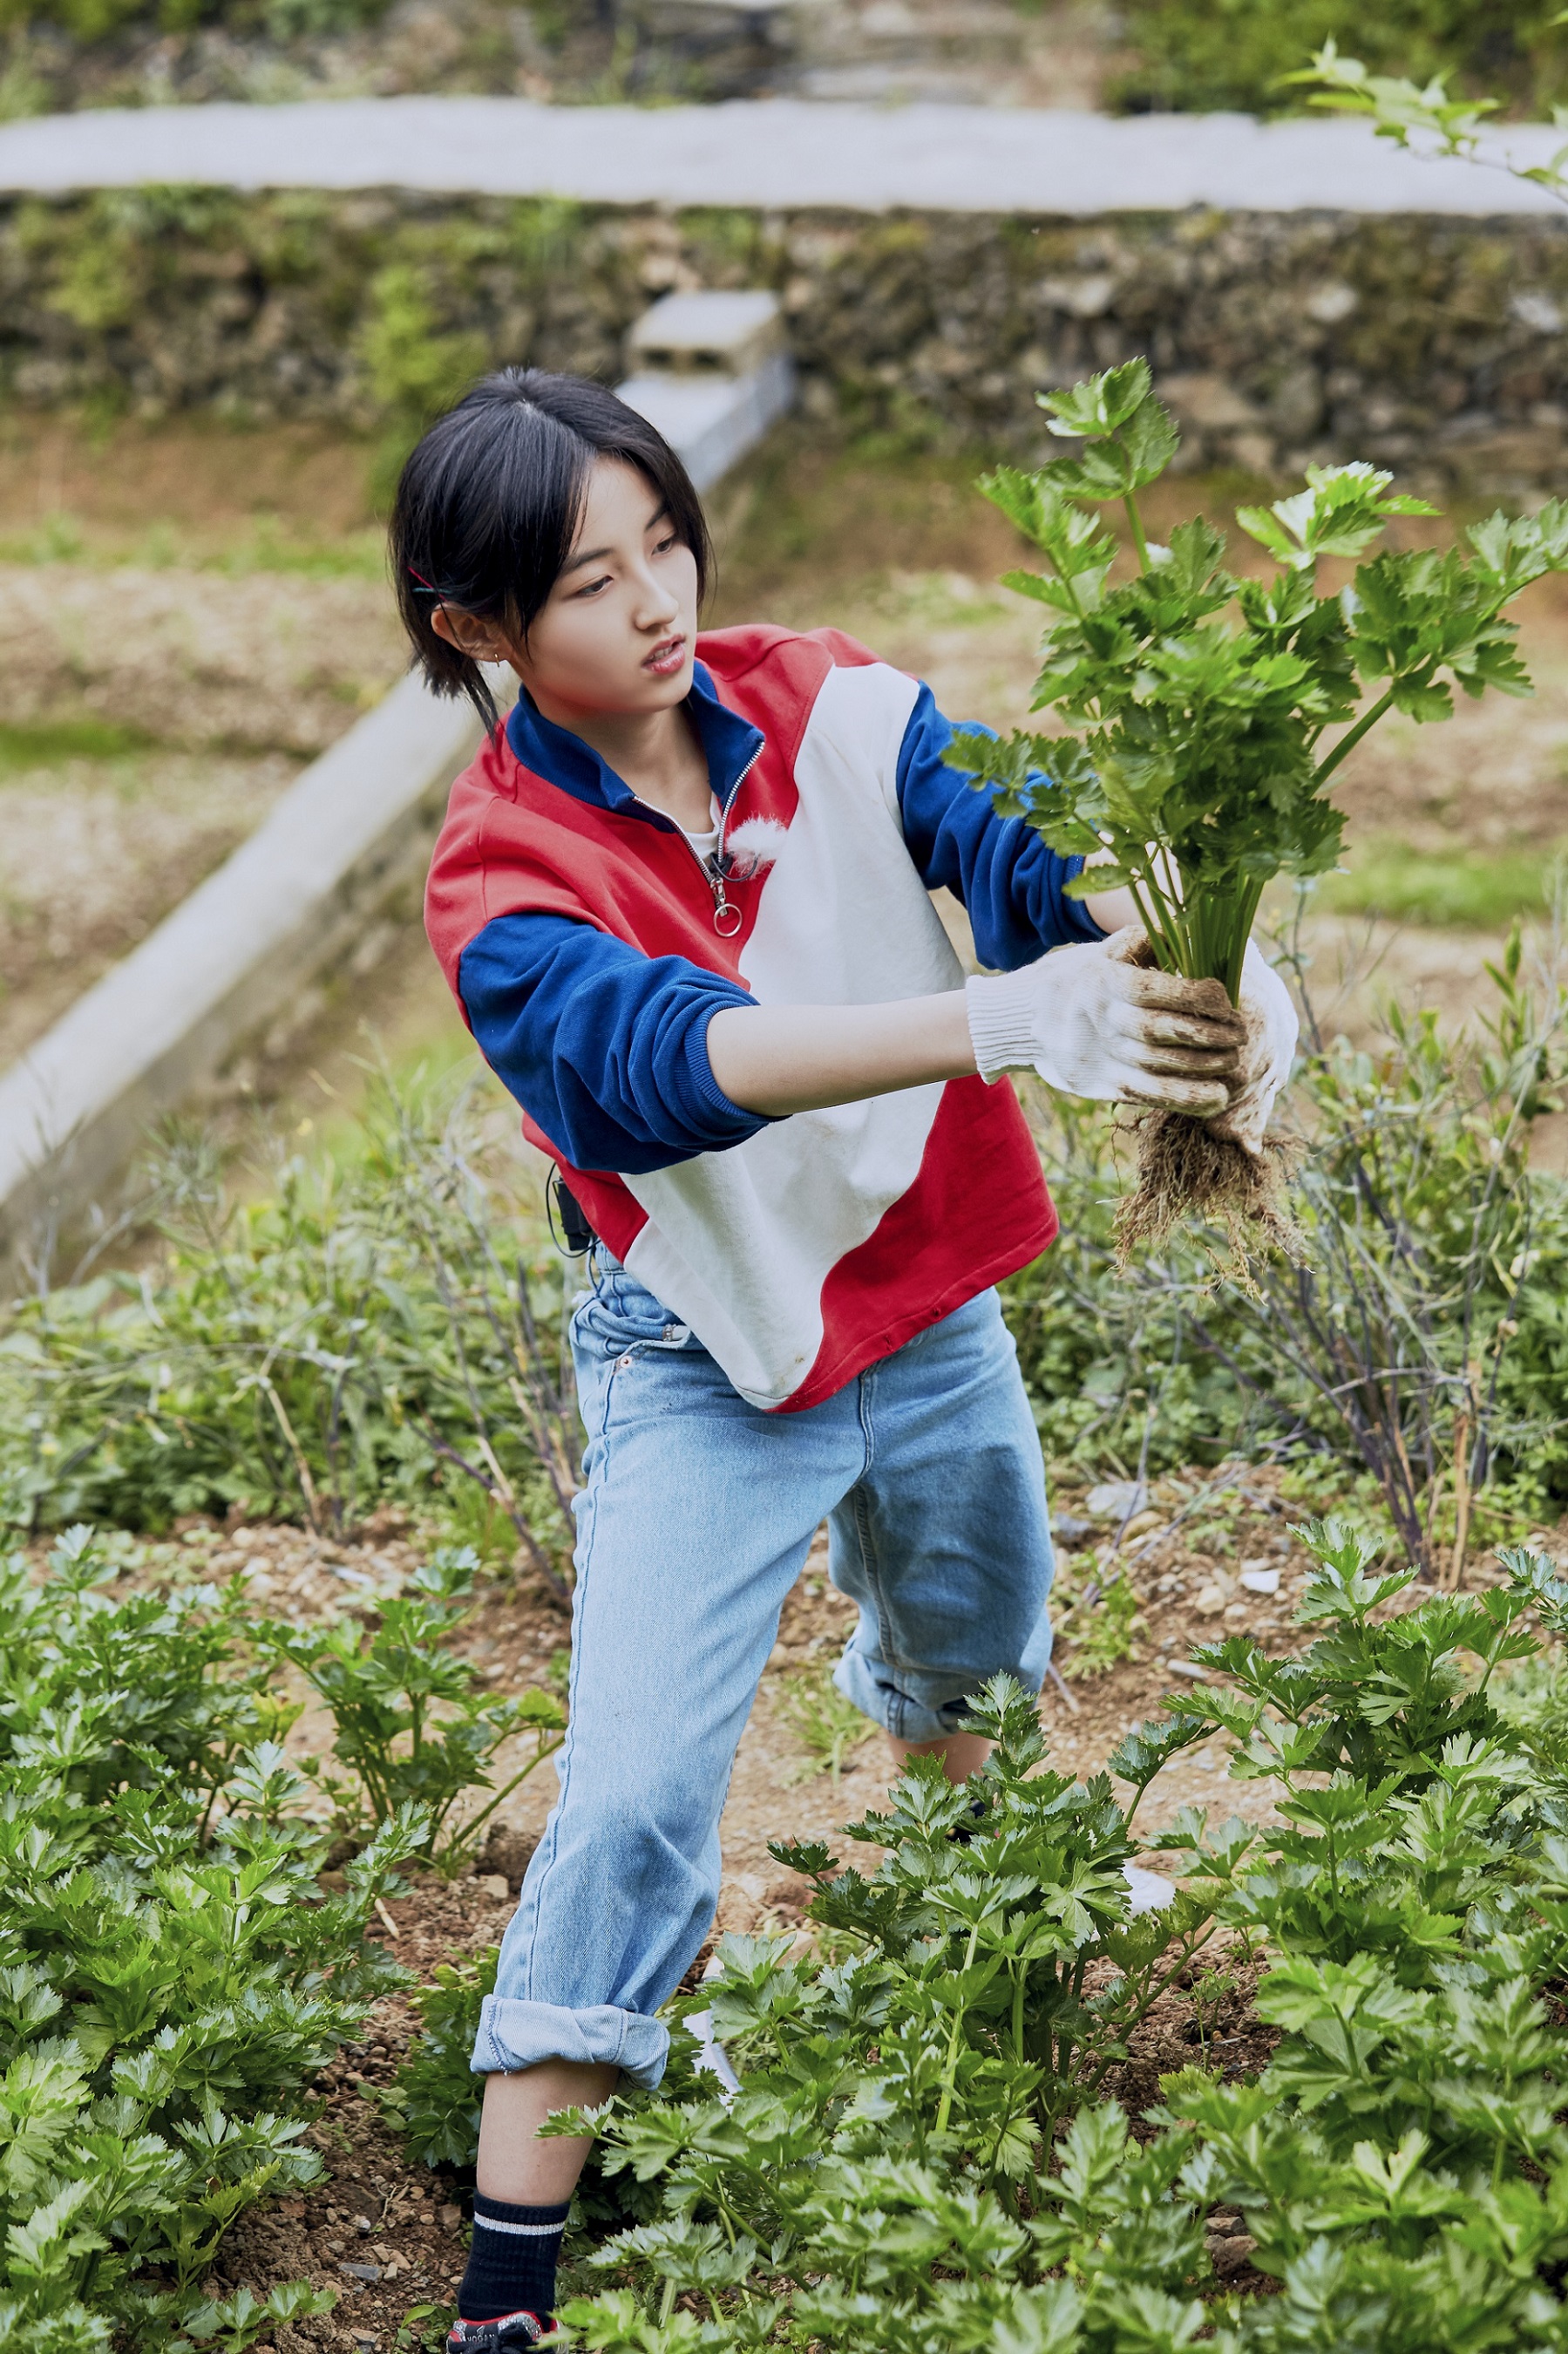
x: 482, y: 640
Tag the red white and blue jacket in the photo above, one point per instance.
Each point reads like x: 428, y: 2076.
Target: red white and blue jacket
x: 588, y: 949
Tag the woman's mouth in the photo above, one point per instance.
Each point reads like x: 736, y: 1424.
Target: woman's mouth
x: 667, y: 657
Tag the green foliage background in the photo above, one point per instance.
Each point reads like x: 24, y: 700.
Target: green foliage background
x: 1197, y: 54
x: 357, y: 1339
x: 1190, y: 55
x: 89, y: 21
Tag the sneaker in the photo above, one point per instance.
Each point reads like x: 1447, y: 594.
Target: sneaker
x: 508, y: 2330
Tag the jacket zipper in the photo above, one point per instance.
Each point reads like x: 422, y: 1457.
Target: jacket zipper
x: 714, y: 867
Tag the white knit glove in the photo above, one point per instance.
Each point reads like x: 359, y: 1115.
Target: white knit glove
x: 1271, y: 1049
x: 1094, y: 1023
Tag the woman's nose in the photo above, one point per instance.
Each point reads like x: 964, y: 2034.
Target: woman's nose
x: 656, y: 603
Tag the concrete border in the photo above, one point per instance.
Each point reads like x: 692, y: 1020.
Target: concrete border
x: 780, y: 152
x: 286, y: 904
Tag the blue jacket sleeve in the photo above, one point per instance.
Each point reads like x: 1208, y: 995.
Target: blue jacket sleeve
x: 604, y: 1047
x: 1001, y: 870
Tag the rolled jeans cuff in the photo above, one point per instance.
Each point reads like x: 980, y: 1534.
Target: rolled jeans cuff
x: 514, y: 2035
x: 932, y: 1714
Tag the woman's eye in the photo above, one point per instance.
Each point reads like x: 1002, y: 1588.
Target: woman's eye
x: 662, y: 547
x: 592, y: 587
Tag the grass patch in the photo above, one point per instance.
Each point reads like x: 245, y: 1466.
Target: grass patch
x: 58, y: 539
x: 1458, y: 890
x: 270, y: 547
x: 268, y: 543
x: 826, y: 1725
x: 44, y: 743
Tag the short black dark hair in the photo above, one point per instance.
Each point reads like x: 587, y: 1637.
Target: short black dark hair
x: 489, y: 502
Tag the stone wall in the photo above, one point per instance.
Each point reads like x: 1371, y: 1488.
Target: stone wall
x: 1438, y: 346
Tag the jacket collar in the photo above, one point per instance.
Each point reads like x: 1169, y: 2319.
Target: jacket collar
x: 730, y: 742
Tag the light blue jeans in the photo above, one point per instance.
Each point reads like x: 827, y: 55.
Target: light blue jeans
x: 696, y: 1514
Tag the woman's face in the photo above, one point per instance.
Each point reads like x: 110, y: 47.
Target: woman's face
x: 619, y: 630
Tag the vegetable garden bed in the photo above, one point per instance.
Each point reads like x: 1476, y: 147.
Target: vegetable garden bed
x: 393, y: 2280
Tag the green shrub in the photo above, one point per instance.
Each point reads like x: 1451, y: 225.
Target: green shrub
x: 1424, y: 1339
x: 416, y: 359
x: 412, y: 368
x: 1115, y: 1374
x: 172, y: 1976
x: 369, y: 1330
x: 1197, y: 54
x: 924, y: 2157
x: 436, y: 2097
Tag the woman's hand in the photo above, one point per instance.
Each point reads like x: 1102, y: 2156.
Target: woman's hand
x: 1093, y: 1022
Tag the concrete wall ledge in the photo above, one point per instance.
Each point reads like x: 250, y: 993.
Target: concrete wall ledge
x: 788, y: 154
x: 285, y: 905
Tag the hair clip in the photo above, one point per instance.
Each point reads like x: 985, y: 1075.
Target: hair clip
x: 428, y: 586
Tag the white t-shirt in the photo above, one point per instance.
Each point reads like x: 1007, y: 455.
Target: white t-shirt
x: 705, y: 844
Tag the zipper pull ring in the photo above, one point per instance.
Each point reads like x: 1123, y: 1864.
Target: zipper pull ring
x: 727, y: 918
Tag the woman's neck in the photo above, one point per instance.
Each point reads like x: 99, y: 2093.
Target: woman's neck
x: 657, y: 753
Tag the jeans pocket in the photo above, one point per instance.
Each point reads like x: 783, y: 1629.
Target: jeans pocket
x: 621, y: 1316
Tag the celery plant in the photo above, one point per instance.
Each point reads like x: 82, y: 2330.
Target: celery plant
x: 1212, y: 711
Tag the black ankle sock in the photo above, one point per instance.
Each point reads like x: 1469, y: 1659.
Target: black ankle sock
x: 512, y: 2262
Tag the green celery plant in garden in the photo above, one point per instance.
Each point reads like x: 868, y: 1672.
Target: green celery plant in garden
x: 411, y: 1726
x: 928, y: 2152
x: 172, y: 1974
x: 1214, y: 711
x: 435, y: 2098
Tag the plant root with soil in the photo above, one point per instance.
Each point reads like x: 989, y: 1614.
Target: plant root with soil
x: 1189, y: 1172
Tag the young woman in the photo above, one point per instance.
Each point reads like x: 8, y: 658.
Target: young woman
x: 682, y: 896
